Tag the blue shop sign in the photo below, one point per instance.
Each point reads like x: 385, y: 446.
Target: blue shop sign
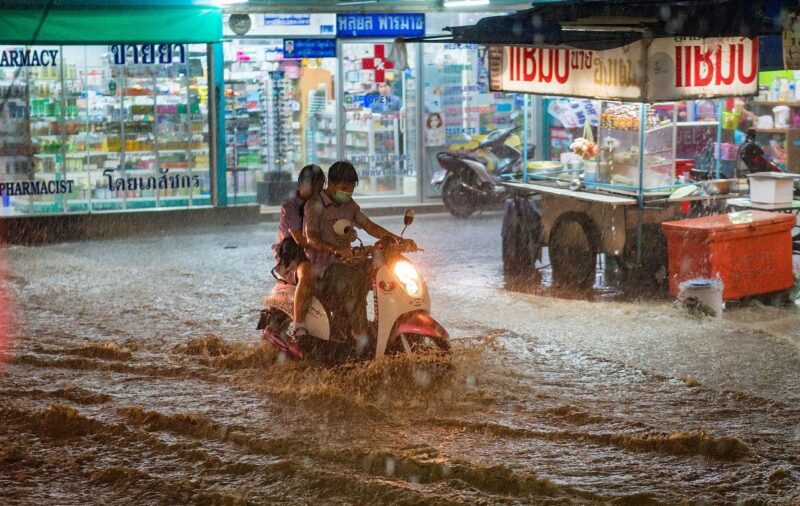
x: 28, y: 57
x: 287, y: 19
x: 309, y: 48
x: 380, y: 25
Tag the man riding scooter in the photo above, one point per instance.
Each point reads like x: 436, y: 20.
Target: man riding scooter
x: 328, y: 251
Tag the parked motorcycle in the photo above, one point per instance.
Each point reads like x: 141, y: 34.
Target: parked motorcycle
x: 402, y: 306
x: 470, y: 179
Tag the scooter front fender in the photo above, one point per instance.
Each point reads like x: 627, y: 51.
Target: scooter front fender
x: 418, y: 322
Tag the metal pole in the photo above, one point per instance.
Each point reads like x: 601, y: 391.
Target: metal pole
x: 218, y: 176
x: 640, y: 196
x: 525, y: 102
x: 420, y: 124
x: 339, y: 99
x: 720, y: 107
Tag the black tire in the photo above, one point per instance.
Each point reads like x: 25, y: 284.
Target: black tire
x: 573, y: 251
x: 651, y: 276
x: 460, y: 202
x: 521, y: 237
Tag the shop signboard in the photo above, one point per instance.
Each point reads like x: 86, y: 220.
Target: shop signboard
x: 148, y: 54
x: 380, y: 25
x: 290, y: 25
x: 287, y: 19
x: 28, y: 57
x: 309, y: 48
x: 681, y: 68
x: 666, y: 69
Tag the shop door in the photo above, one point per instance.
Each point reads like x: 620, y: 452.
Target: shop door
x: 378, y: 126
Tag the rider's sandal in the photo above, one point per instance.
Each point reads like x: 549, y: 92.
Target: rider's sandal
x: 298, y: 333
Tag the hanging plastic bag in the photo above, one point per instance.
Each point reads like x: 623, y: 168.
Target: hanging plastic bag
x: 399, y: 54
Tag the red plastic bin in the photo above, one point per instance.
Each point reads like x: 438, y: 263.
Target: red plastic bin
x: 751, y: 252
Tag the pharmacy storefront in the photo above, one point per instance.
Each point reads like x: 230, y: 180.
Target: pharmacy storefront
x: 316, y: 88
x: 106, y: 110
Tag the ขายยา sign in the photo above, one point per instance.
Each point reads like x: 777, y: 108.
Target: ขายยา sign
x: 667, y: 69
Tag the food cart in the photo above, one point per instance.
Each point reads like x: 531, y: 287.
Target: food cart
x: 615, y: 202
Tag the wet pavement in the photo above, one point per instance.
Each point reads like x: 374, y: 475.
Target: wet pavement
x: 136, y: 375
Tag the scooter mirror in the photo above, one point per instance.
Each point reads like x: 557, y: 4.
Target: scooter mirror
x: 409, y: 217
x: 341, y: 227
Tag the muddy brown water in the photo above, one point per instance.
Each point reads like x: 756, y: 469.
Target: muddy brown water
x: 136, y: 376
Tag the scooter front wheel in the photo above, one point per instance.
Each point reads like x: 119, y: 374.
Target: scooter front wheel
x: 417, y: 343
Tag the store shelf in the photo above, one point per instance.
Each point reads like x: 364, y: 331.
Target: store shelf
x: 773, y: 104
x: 636, y: 131
x: 772, y: 130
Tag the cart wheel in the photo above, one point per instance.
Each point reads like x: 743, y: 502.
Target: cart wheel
x: 456, y: 195
x: 652, y: 274
x: 522, y: 232
x: 573, y: 251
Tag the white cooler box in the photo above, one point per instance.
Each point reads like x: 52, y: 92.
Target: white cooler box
x: 772, y: 187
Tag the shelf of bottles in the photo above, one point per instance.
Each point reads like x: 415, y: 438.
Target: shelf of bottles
x: 282, y: 124
x: 244, y: 123
x: 115, y: 136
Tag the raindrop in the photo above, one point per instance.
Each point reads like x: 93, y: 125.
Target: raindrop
x: 414, y: 479
x: 666, y: 12
x: 446, y: 470
x: 422, y: 378
x: 361, y: 344
x: 281, y: 357
x: 536, y: 21
x: 471, y: 381
x: 516, y: 29
x: 390, y: 466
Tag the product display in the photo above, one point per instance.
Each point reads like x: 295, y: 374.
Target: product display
x: 272, y: 105
x: 101, y: 136
x: 775, y: 116
x: 376, y: 112
x: 620, y: 150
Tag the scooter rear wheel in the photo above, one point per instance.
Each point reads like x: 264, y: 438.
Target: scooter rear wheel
x: 459, y: 200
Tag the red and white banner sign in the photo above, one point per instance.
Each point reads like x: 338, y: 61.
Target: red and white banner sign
x: 667, y: 69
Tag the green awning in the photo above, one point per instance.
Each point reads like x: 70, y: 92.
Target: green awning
x: 107, y: 25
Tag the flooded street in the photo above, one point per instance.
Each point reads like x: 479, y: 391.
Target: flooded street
x: 136, y: 375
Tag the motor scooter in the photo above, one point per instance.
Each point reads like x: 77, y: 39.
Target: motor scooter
x: 402, y: 321
x: 470, y: 179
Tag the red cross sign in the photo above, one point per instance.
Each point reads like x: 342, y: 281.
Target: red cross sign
x: 378, y: 63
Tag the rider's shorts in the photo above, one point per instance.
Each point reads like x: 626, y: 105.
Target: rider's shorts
x: 288, y: 274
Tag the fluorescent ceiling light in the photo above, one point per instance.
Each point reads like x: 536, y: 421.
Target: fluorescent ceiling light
x: 223, y: 3
x: 356, y: 2
x: 464, y: 3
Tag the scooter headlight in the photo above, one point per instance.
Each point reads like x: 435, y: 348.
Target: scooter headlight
x: 408, y: 276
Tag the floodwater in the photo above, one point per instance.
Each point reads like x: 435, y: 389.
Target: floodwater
x: 135, y: 375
